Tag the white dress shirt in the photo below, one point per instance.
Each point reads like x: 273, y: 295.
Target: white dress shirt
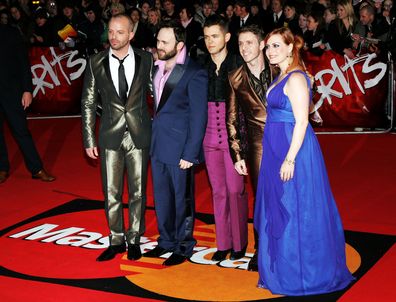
x: 277, y: 16
x: 129, y: 67
x: 244, y: 20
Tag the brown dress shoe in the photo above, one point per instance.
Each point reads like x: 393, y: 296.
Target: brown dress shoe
x: 43, y: 176
x: 3, y: 176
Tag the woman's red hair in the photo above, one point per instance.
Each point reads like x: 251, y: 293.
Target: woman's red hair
x: 289, y: 38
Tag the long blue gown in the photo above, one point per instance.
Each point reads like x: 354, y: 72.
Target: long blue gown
x: 301, y: 238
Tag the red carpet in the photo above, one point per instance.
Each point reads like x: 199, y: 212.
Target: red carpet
x: 362, y: 171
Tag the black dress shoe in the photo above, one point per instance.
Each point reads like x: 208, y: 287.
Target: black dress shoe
x: 220, y: 255
x: 253, y: 266
x: 111, y: 252
x: 174, y: 259
x: 155, y: 252
x: 134, y: 252
x: 235, y: 255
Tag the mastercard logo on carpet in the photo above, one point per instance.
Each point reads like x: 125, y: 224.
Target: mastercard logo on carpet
x: 60, y: 246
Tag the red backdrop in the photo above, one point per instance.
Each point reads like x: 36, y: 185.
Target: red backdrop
x: 340, y: 100
x: 57, y: 78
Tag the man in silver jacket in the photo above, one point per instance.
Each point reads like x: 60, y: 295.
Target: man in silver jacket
x: 120, y: 79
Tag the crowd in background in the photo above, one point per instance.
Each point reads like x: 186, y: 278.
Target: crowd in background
x: 349, y: 27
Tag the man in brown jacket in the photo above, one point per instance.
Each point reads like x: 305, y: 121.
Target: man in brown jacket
x: 248, y: 86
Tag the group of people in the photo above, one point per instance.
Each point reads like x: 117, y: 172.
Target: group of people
x: 347, y: 27
x: 242, y: 115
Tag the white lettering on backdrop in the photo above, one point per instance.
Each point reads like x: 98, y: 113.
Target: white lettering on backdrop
x: 341, y: 74
x: 47, y: 67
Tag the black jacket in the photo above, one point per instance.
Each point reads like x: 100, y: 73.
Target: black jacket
x: 15, y: 75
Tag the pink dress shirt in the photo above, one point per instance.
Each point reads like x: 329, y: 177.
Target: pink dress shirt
x: 162, y: 75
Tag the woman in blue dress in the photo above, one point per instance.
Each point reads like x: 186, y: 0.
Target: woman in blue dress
x: 302, y: 245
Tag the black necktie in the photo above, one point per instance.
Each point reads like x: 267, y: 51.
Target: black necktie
x: 276, y: 18
x: 242, y: 22
x: 122, y: 82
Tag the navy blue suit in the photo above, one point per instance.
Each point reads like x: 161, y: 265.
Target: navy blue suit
x: 178, y: 130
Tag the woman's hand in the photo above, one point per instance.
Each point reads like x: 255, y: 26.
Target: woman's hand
x: 287, y: 170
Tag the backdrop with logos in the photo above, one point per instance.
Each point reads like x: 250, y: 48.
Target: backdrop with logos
x: 349, y: 93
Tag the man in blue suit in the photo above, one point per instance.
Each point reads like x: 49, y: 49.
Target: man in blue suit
x: 180, y: 94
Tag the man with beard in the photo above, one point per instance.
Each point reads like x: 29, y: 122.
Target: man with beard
x: 249, y: 84
x: 120, y: 77
x: 180, y: 94
x: 230, y: 202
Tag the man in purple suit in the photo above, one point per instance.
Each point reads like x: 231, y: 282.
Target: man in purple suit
x: 230, y: 202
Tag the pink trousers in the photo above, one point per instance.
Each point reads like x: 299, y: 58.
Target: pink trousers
x: 230, y: 201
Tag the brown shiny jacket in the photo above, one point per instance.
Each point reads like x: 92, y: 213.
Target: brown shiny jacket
x: 243, y: 97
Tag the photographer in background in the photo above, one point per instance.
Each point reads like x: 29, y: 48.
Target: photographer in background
x: 371, y: 32
x: 92, y: 27
x: 42, y: 34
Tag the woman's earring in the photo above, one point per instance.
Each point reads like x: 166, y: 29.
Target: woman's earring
x: 290, y: 58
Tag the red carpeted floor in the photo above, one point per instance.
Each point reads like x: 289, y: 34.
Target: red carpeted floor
x: 362, y: 171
